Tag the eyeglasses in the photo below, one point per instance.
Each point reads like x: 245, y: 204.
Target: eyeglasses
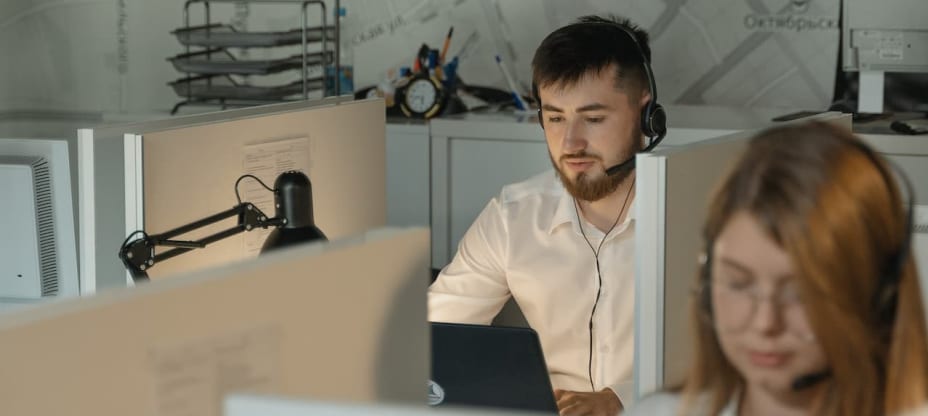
x: 737, y: 301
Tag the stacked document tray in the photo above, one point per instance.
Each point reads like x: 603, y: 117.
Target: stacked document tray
x: 219, y: 69
x: 225, y: 36
x: 224, y: 87
x: 220, y: 61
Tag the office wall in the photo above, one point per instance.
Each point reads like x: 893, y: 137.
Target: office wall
x: 110, y: 54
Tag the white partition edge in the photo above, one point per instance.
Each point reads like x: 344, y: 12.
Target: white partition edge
x: 86, y: 210
x: 135, y: 219
x: 440, y: 184
x: 649, y: 272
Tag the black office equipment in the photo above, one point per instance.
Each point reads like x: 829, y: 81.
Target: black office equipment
x: 492, y: 366
x: 293, y: 224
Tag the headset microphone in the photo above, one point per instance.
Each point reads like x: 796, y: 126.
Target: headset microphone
x: 629, y: 163
x: 809, y: 380
x: 625, y: 166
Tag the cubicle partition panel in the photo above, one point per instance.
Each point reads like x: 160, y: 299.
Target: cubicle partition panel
x: 190, y: 173
x: 672, y: 197
x: 344, y: 321
x: 103, y: 173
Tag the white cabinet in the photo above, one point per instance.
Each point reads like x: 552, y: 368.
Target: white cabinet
x: 473, y: 157
x: 407, y: 173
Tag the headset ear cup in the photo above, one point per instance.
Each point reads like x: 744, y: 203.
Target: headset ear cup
x: 646, y: 120
x: 657, y: 121
x: 705, y: 285
x: 654, y: 121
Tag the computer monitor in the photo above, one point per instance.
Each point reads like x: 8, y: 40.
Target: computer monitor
x: 879, y: 37
x: 673, y: 191
x: 38, y: 250
x: 889, y: 36
x: 341, y: 321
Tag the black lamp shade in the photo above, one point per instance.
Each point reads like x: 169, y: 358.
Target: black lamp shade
x: 293, y: 200
x: 283, y: 237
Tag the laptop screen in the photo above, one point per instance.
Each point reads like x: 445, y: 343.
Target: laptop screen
x: 492, y: 366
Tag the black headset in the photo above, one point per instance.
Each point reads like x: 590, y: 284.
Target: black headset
x: 886, y: 297
x: 653, y: 116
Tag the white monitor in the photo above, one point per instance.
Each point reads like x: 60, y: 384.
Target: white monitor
x: 883, y: 36
x: 38, y: 255
x: 889, y: 35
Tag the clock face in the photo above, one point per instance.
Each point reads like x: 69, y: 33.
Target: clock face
x: 421, y: 95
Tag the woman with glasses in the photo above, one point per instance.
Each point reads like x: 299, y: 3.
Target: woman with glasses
x: 808, y: 300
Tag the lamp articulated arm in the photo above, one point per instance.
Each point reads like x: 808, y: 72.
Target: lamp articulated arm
x: 139, y: 255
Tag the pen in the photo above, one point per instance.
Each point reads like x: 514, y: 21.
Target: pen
x: 444, y: 49
x: 512, y: 86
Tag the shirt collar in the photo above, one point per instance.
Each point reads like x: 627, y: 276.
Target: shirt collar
x: 565, y: 211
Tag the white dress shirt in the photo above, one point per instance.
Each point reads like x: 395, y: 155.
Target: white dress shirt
x: 527, y: 244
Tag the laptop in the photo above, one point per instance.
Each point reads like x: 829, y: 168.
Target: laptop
x: 478, y: 365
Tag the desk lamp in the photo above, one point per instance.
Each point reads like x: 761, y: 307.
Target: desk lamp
x: 293, y: 221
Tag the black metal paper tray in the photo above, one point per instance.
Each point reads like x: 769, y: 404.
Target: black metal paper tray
x: 219, y: 61
x: 224, y: 87
x: 226, y: 36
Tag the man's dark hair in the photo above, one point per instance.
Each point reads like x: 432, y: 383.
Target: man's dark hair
x: 592, y: 43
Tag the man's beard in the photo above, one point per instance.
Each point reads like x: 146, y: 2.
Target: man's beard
x: 585, y: 188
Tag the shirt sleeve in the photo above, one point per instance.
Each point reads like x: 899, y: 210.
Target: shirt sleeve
x: 625, y: 391
x: 657, y: 404
x: 472, y: 289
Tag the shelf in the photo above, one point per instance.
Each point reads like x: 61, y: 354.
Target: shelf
x: 220, y: 61
x: 226, y: 36
x: 224, y: 87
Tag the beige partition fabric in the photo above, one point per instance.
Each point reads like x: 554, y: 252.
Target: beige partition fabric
x: 686, y: 208
x: 104, y: 185
x: 343, y: 321
x: 189, y: 173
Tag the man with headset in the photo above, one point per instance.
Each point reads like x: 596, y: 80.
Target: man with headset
x: 562, y: 243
